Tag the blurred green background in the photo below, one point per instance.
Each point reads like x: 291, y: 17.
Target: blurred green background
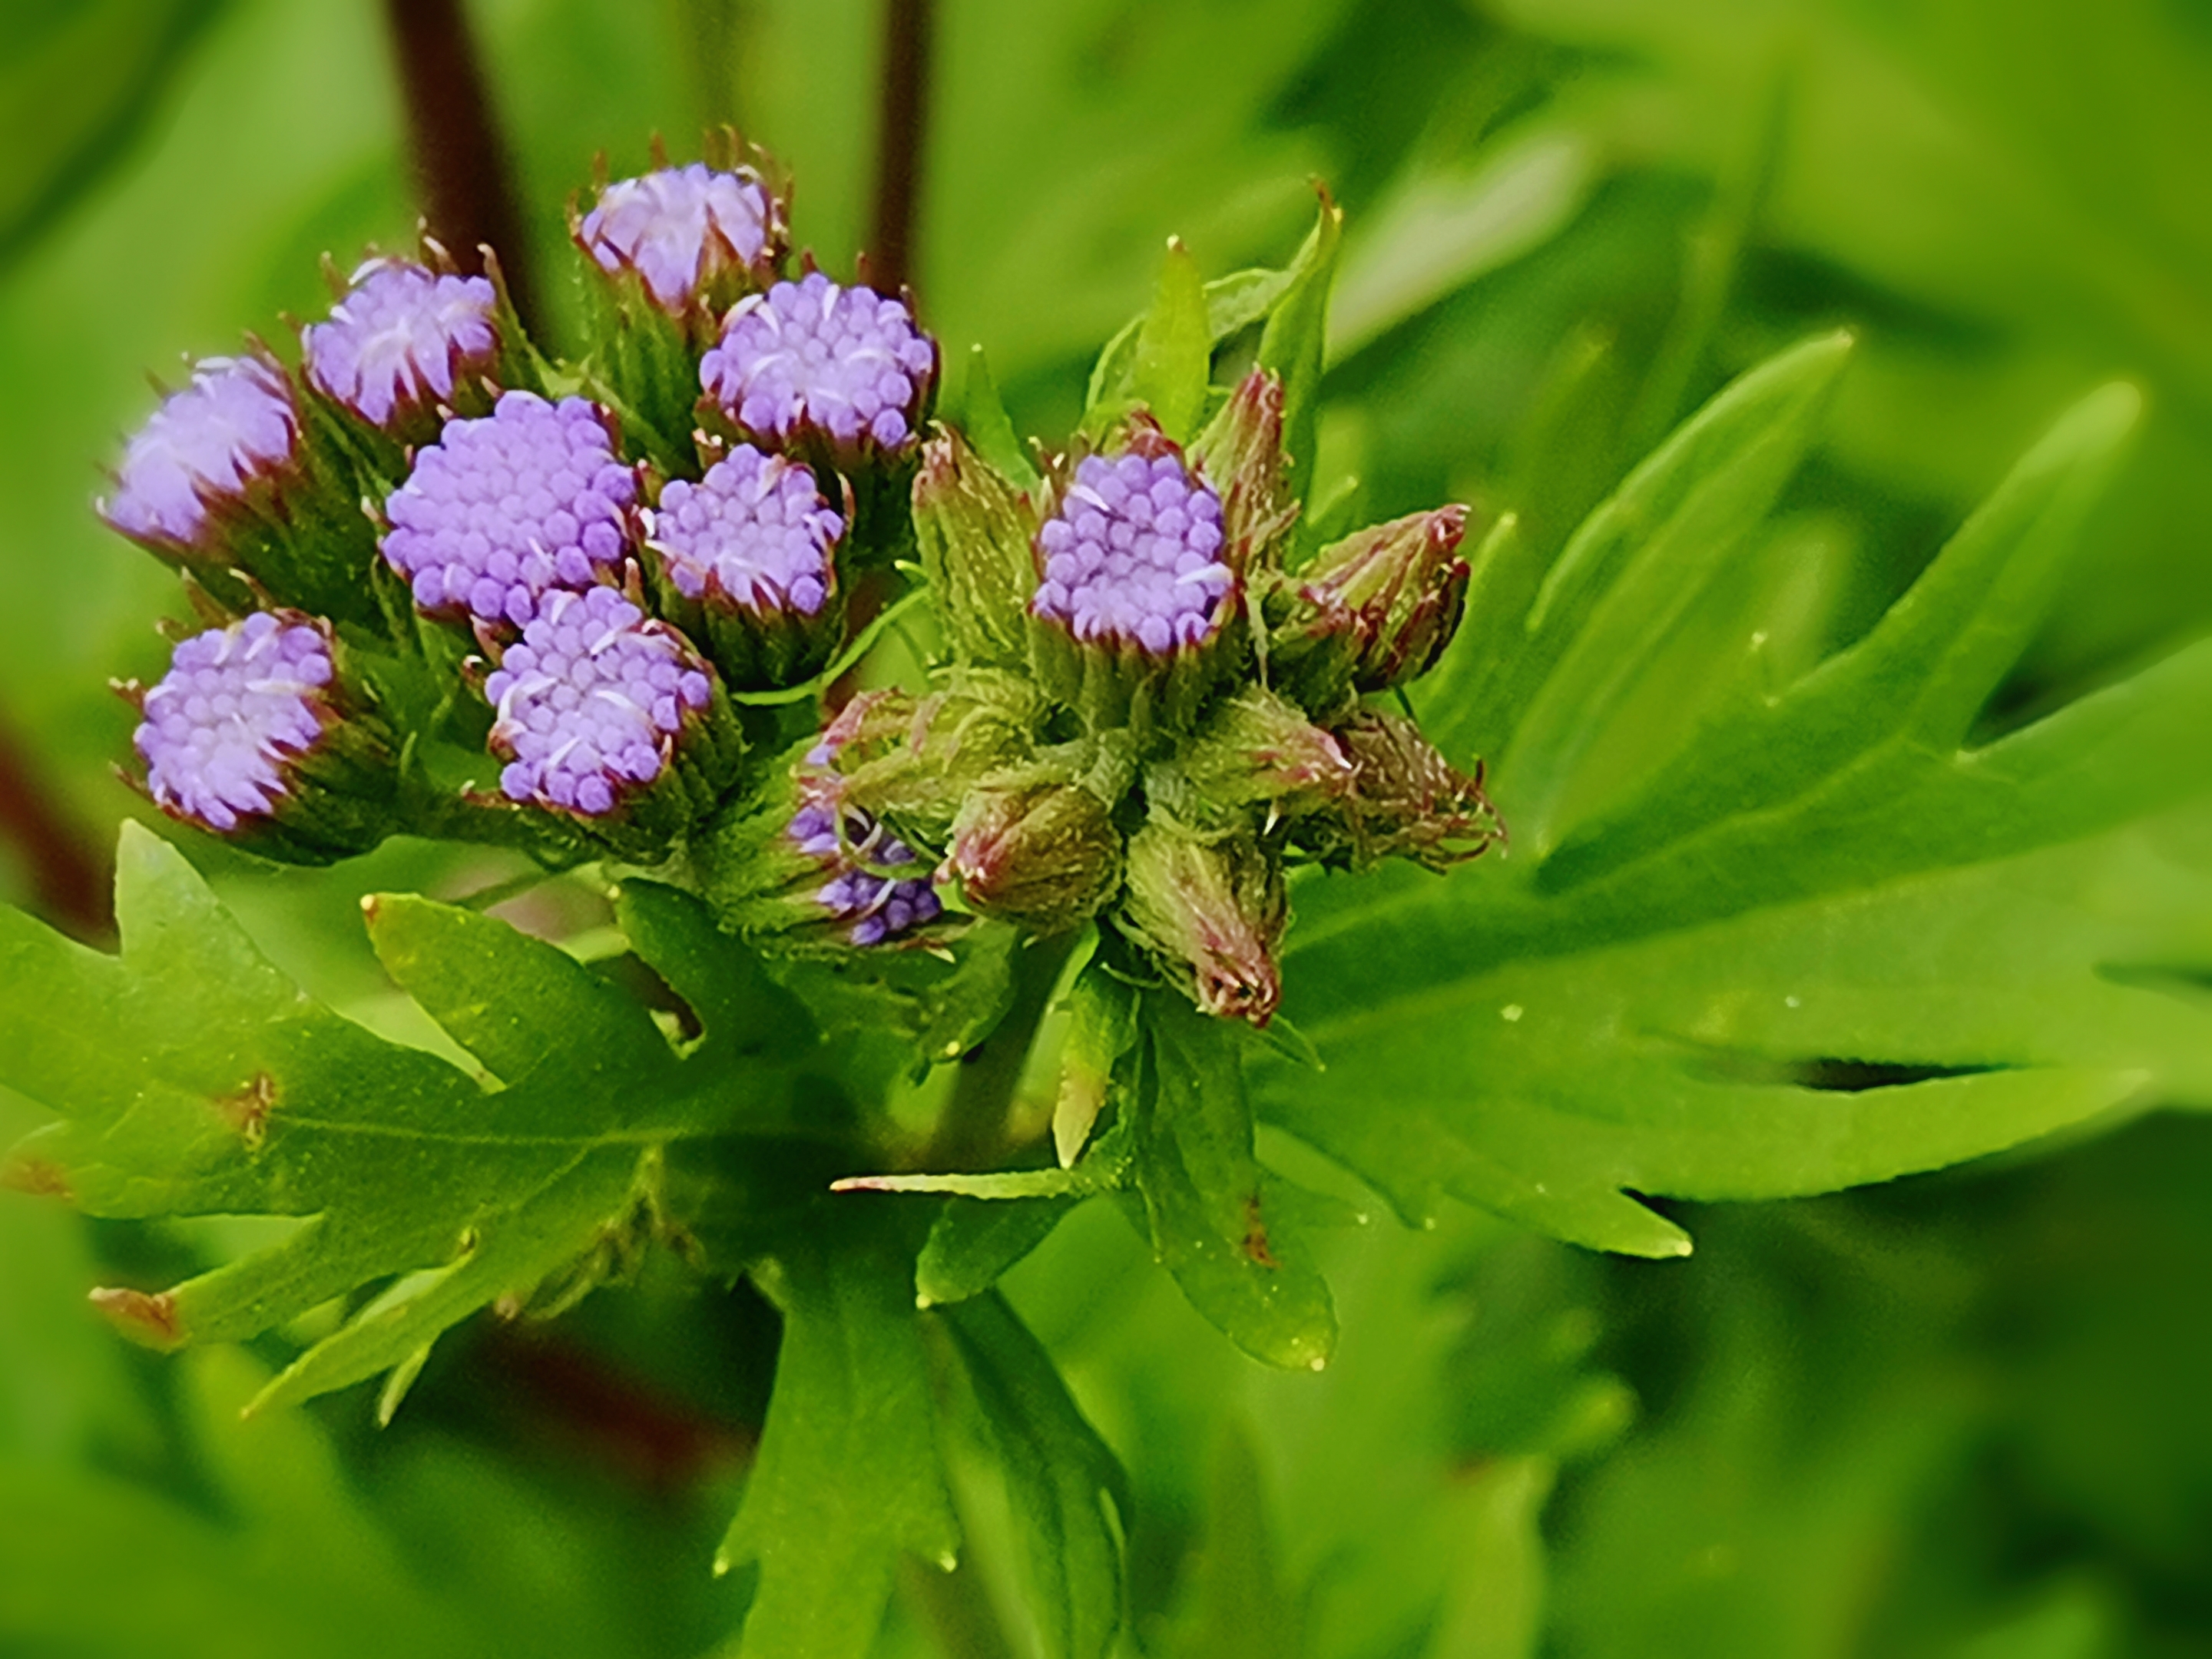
x: 1961, y: 1416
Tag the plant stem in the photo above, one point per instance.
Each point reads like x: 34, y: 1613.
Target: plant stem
x: 972, y: 1132
x: 903, y: 116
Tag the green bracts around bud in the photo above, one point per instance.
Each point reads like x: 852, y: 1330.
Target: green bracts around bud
x: 1372, y: 611
x: 1045, y: 856
x: 1211, y: 914
x: 974, y: 528
x: 1407, y: 801
x: 1256, y: 749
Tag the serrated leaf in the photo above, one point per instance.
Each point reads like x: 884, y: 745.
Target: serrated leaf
x: 1205, y: 1203
x: 847, y: 1477
x: 1174, y: 347
x: 1828, y: 944
x: 1060, y: 1478
x: 194, y: 1078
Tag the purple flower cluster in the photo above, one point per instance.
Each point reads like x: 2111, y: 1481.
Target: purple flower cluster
x: 236, y: 703
x: 591, y: 701
x: 812, y: 356
x: 1133, y: 556
x: 233, y: 423
x: 679, y: 229
x: 872, y: 906
x: 755, y: 531
x: 402, y: 338
x: 502, y: 511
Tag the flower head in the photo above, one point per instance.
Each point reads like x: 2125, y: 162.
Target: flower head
x: 502, y: 510
x: 863, y: 897
x: 401, y: 339
x: 590, y: 702
x: 1132, y: 555
x: 234, y: 423
x: 238, y: 705
x: 682, y: 228
x: 754, y: 533
x: 810, y: 356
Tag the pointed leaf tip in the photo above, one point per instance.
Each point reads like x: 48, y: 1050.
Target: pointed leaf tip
x: 152, y: 1320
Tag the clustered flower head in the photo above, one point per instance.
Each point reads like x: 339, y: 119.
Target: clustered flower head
x: 237, y: 706
x: 591, y: 701
x: 504, y: 510
x: 863, y: 895
x: 682, y: 229
x: 1132, y: 555
x: 755, y: 532
x: 810, y: 357
x: 233, y: 424
x: 402, y: 337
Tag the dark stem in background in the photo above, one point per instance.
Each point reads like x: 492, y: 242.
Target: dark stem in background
x: 69, y: 881
x: 461, y: 163
x: 903, y: 116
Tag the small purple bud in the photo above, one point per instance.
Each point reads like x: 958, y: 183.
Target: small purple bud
x: 239, y: 705
x: 858, y: 891
x: 590, y: 702
x: 233, y: 426
x: 502, y: 510
x: 1212, y: 916
x: 812, y: 359
x: 686, y: 232
x: 754, y: 533
x: 402, y: 339
x: 1132, y: 557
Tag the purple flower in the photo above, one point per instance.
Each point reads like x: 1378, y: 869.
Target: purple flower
x: 870, y: 904
x: 812, y: 356
x: 502, y: 510
x: 680, y: 228
x: 233, y: 424
x: 236, y: 704
x: 591, y: 701
x: 755, y: 531
x: 402, y: 338
x: 1133, y: 556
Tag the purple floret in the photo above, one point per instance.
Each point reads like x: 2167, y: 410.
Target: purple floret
x: 755, y: 531
x: 233, y: 424
x: 872, y: 906
x: 235, y: 705
x: 591, y: 701
x: 502, y: 510
x: 402, y: 338
x: 679, y: 229
x: 843, y: 361
x: 1134, y: 556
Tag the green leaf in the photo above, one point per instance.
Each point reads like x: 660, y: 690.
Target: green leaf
x: 847, y: 1477
x: 974, y: 1240
x: 1236, y: 1605
x: 984, y: 419
x: 1060, y: 1478
x: 194, y: 1078
x: 1294, y: 341
x: 1212, y: 1223
x: 1827, y: 944
x: 1175, y: 348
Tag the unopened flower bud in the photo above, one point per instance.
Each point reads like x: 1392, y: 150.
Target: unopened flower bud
x: 1045, y: 856
x: 1372, y: 611
x: 611, y: 720
x: 1256, y: 749
x: 501, y: 512
x: 916, y: 763
x: 1133, y: 592
x: 1211, y: 914
x: 1407, y: 801
x: 975, y: 529
x: 695, y: 238
x: 1241, y: 451
x: 811, y: 363
x: 747, y: 563
x: 251, y: 736
x: 404, y: 341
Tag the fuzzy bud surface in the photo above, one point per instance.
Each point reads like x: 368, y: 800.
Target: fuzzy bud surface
x: 237, y: 705
x: 1132, y: 555
x: 681, y: 229
x: 590, y: 702
x: 401, y: 339
x: 813, y: 356
x: 502, y: 510
x: 233, y: 424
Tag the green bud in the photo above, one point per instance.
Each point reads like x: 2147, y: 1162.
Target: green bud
x: 1045, y: 856
x: 1372, y: 611
x: 1241, y: 453
x: 1211, y: 914
x: 1255, y: 749
x: 974, y: 528
x: 1407, y: 801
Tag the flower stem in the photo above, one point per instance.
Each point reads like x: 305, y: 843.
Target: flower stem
x: 972, y: 1132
